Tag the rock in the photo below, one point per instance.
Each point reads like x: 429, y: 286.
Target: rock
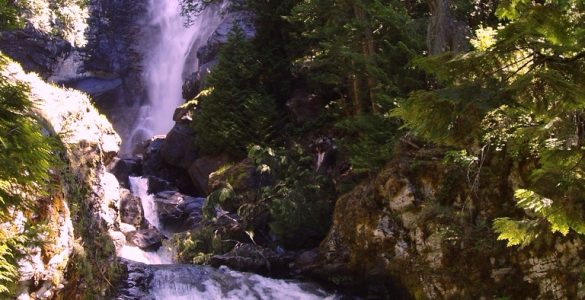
x: 184, y: 114
x: 124, y: 168
x: 130, y: 208
x: 156, y: 185
x: 201, y: 168
x: 255, y: 259
x: 244, y: 179
x: 178, y: 148
x: 146, y: 239
x: 409, y: 217
x: 243, y: 19
x: 89, y: 141
x: 37, y: 51
x: 177, y: 212
x: 154, y: 165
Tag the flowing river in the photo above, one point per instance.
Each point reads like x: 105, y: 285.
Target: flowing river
x: 153, y: 275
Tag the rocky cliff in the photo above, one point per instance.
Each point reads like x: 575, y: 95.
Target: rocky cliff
x: 410, y: 233
x: 80, y: 213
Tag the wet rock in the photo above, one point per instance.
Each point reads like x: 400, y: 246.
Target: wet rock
x: 178, y: 148
x: 201, y: 168
x: 146, y: 239
x: 154, y: 165
x: 130, y: 208
x: 178, y: 212
x: 156, y: 185
x: 136, y: 284
x: 124, y: 168
x: 256, y: 259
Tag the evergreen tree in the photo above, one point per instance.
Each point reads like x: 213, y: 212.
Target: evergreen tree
x: 521, y: 93
x: 235, y: 111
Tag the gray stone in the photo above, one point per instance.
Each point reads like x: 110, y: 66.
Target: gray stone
x: 146, y: 239
x: 178, y: 148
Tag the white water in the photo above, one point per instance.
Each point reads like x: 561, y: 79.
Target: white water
x: 164, y: 254
x: 139, y: 187
x: 169, y: 58
x: 183, y: 282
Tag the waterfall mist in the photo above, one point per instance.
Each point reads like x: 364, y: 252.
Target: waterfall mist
x: 169, y: 57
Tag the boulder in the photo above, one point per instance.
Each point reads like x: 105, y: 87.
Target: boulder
x: 130, y: 208
x: 178, y: 212
x: 156, y: 185
x: 244, y: 179
x: 124, y: 168
x: 154, y: 165
x: 35, y: 50
x: 252, y: 258
x: 146, y: 239
x: 178, y: 148
x: 201, y: 168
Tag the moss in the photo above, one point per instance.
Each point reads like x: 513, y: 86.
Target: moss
x: 93, y: 267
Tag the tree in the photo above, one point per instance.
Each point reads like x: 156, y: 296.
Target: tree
x: 235, y: 111
x: 520, y: 92
x: 9, y: 15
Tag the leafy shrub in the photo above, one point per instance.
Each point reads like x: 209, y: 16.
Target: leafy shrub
x: 299, y: 201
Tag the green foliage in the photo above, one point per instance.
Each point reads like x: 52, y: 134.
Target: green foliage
x: 216, y: 198
x: 369, y: 141
x: 9, y: 15
x: 25, y: 158
x: 520, y: 93
x: 25, y: 153
x: 299, y: 201
x: 335, y: 59
x: 197, y: 246
x: 236, y: 112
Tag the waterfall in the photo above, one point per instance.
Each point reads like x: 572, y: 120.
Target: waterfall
x: 163, y: 255
x: 170, y: 56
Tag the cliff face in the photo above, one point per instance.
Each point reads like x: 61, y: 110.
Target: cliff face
x: 80, y: 213
x: 410, y: 229
x: 92, y: 47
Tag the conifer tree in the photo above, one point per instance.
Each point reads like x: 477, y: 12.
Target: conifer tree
x: 521, y: 93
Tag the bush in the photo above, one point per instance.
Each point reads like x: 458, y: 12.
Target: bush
x: 299, y: 201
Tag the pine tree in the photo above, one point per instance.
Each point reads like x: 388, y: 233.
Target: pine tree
x: 236, y: 111
x: 521, y: 92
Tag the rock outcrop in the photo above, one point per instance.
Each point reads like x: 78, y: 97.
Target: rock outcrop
x: 88, y: 198
x: 409, y: 229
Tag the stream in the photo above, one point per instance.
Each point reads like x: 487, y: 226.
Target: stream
x: 171, y: 50
x: 154, y: 276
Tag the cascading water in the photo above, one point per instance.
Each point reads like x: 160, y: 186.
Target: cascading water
x: 170, y: 56
x: 152, y: 275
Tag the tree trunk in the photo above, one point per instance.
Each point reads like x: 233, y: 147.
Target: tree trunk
x: 444, y: 33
